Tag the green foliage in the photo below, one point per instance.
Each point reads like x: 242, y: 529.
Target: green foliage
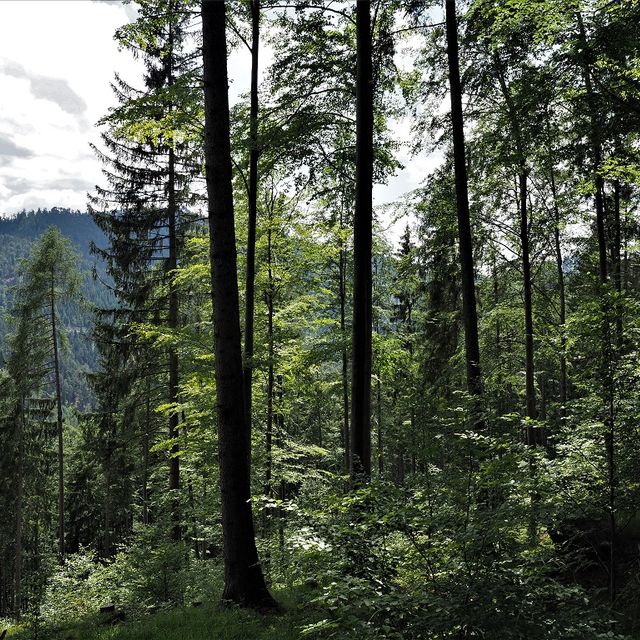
x: 148, y: 574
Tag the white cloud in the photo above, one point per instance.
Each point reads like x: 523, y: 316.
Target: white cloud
x: 56, y: 62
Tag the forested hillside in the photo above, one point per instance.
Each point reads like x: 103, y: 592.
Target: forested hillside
x: 17, y: 236
x: 303, y: 426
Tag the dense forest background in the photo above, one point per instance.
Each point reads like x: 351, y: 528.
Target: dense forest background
x: 17, y: 235
x: 229, y: 378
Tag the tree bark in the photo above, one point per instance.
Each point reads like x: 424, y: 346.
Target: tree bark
x: 469, y: 312
x: 244, y: 580
x: 252, y: 198
x: 362, y: 285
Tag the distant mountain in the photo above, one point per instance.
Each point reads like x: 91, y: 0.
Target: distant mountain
x: 17, y: 235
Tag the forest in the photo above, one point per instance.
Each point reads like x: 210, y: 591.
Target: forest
x: 235, y: 403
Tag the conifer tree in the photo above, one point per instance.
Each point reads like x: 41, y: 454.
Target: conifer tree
x: 50, y: 277
x: 150, y: 163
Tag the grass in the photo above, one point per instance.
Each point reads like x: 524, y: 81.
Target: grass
x: 210, y: 622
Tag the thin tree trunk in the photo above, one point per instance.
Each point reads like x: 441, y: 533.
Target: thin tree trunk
x: 531, y: 409
x: 244, y: 580
x: 174, y: 460
x: 362, y: 285
x: 562, y: 317
x: 194, y: 520
x: 172, y: 211
x: 56, y: 369
x: 19, y: 507
x: 280, y: 443
x: 107, y: 505
x: 145, y: 463
x: 522, y: 201
x: 608, y: 355
x: 252, y: 198
x: 498, y: 334
x: 380, y: 451
x: 596, y: 143
x: 345, y: 363
x: 469, y: 312
x: 268, y: 489
x: 616, y: 250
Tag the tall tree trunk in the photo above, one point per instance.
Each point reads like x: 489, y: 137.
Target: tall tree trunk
x: 616, y: 250
x: 174, y: 460
x: 469, y: 312
x: 362, y: 239
x: 498, y: 333
x: 56, y: 370
x: 106, y: 544
x: 145, y: 461
x: 268, y: 489
x: 380, y: 452
x: 596, y: 143
x: 252, y: 198
x: 280, y: 443
x: 608, y: 363
x: 562, y: 316
x: 530, y: 391
x: 523, y: 209
x: 345, y: 357
x: 244, y: 580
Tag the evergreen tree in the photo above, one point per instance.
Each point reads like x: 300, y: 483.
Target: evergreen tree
x: 150, y: 163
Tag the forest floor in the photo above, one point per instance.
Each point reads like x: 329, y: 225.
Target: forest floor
x: 209, y: 622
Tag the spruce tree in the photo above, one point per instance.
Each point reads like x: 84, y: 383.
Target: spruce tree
x: 151, y: 160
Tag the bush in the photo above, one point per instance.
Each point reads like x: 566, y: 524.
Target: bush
x: 147, y: 574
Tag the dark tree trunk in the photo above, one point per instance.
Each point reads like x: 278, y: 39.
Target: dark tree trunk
x: 172, y: 265
x: 252, y: 198
x: 616, y: 250
x: 362, y: 314
x: 174, y: 460
x: 244, y: 580
x: 56, y: 370
x: 469, y: 312
x: 608, y: 361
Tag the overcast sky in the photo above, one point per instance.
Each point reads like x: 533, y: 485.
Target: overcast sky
x: 57, y: 58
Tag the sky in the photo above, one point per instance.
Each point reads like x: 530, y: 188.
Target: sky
x: 57, y: 58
